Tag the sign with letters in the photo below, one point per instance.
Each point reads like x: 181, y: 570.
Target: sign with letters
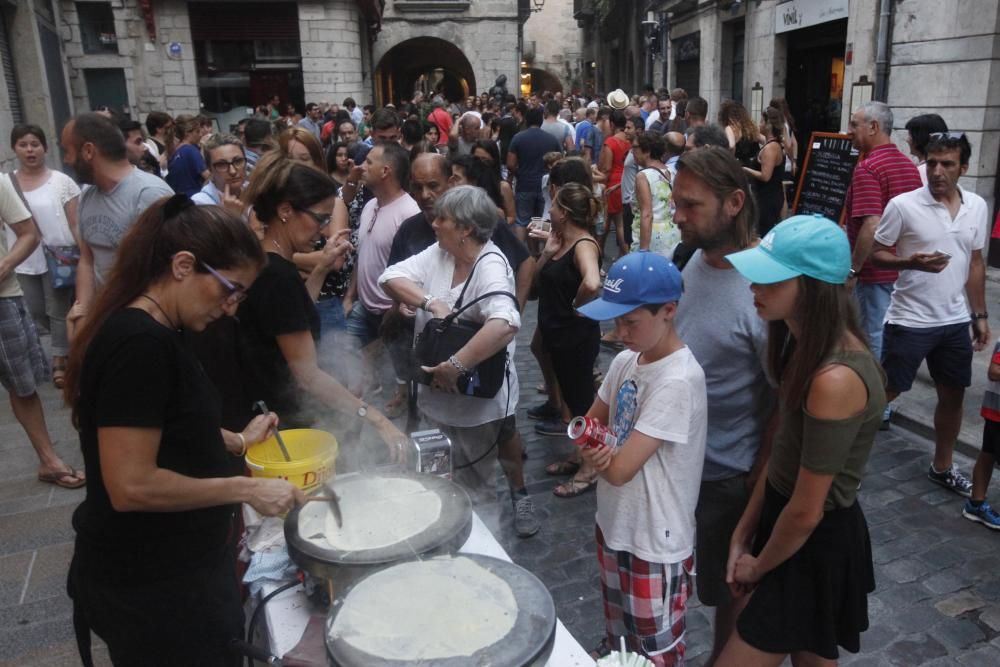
x: 826, y: 175
x: 795, y: 14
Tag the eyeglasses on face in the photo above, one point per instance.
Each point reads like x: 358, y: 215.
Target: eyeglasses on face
x: 235, y: 293
x: 321, y: 219
x: 235, y: 164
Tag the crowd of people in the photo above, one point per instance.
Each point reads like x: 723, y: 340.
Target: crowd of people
x: 297, y: 258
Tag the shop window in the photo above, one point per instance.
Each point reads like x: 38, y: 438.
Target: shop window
x: 97, y: 27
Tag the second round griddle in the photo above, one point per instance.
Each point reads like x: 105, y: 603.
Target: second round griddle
x: 445, y: 535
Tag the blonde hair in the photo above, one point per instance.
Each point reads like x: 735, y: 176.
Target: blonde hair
x: 307, y: 139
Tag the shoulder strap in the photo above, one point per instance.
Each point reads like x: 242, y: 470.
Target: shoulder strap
x: 18, y: 190
x: 600, y: 255
x: 458, y: 304
x: 664, y: 174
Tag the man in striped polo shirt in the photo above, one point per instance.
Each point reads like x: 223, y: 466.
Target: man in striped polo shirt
x: 883, y: 173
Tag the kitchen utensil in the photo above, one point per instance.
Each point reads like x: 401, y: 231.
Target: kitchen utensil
x: 262, y: 407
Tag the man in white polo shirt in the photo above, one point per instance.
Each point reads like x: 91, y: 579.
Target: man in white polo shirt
x: 939, y: 232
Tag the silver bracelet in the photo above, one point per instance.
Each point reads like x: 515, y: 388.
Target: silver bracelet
x: 453, y: 360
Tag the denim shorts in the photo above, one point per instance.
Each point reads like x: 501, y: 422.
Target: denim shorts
x: 947, y: 349
x: 363, y: 324
x: 528, y: 205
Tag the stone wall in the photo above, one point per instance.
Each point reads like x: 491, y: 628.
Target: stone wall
x: 333, y: 52
x: 556, y: 39
x: 486, y: 32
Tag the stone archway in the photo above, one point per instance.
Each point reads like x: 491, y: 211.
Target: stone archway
x: 543, y: 80
x: 429, y: 64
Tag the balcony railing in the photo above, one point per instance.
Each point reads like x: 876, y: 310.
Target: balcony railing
x: 98, y: 37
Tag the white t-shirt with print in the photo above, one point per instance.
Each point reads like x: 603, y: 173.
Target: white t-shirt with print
x: 916, y: 222
x: 652, y: 515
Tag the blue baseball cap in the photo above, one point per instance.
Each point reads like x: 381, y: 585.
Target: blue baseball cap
x: 802, y: 245
x: 637, y: 279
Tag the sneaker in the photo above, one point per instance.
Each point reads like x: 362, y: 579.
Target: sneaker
x: 551, y: 427
x: 951, y: 479
x: 526, y: 523
x: 983, y: 514
x: 543, y: 411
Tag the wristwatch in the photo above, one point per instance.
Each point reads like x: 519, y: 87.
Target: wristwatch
x: 852, y: 274
x: 363, y: 410
x: 425, y: 301
x: 980, y: 316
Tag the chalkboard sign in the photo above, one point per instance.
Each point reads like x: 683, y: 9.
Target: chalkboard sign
x: 826, y: 175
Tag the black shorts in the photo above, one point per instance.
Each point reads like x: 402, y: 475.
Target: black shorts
x: 947, y: 349
x: 991, y: 438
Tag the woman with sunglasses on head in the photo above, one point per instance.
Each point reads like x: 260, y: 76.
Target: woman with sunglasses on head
x: 153, y: 555
x: 279, y: 324
x: 801, y: 551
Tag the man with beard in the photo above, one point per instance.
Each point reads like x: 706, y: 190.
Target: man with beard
x: 715, y: 213
x: 429, y: 179
x: 118, y: 194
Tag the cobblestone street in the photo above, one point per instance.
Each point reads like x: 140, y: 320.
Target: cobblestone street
x: 938, y: 588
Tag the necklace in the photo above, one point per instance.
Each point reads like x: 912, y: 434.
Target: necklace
x: 278, y: 246
x: 162, y: 312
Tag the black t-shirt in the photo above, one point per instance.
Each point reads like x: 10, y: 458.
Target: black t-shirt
x: 138, y: 374
x: 415, y: 235
x: 530, y: 146
x: 276, y: 304
x: 557, y: 287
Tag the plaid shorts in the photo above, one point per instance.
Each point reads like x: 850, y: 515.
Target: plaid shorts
x: 645, y: 602
x: 22, y: 361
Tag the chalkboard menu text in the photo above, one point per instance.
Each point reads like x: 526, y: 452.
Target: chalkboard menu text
x: 826, y: 175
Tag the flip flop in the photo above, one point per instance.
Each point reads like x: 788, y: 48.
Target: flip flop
x: 58, y: 478
x: 560, y: 468
x: 574, y: 487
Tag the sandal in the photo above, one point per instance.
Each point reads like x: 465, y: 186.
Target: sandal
x: 59, y: 478
x: 560, y: 468
x: 575, y: 487
x: 59, y: 371
x: 602, y: 650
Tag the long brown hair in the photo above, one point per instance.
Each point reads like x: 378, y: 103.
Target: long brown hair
x: 172, y: 224
x: 827, y: 312
x: 307, y: 139
x: 733, y: 114
x: 775, y: 122
x: 579, y: 205
x: 723, y: 174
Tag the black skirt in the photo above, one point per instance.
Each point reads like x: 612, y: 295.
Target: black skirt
x: 818, y: 598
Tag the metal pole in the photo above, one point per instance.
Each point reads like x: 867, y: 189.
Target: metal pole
x: 882, y: 52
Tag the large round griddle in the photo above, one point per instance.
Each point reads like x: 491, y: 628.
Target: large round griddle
x: 528, y: 644
x: 446, y: 535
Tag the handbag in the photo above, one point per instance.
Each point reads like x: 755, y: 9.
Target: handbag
x: 62, y: 261
x: 442, y: 337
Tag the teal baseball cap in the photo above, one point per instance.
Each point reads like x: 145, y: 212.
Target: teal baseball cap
x: 637, y: 279
x: 802, y: 245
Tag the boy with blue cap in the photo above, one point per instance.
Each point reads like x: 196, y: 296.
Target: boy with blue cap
x: 653, y: 400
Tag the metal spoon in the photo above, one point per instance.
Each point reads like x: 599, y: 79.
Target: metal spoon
x: 262, y: 407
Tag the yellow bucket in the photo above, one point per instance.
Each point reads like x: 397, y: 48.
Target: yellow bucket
x: 313, y: 454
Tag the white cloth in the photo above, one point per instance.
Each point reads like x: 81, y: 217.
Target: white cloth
x: 48, y: 207
x: 208, y: 196
x: 915, y: 222
x: 922, y: 170
x: 653, y: 116
x: 433, y: 270
x: 652, y: 515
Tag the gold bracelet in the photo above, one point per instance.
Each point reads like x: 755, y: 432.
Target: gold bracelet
x: 243, y: 443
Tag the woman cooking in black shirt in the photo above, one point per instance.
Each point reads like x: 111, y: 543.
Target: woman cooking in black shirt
x: 279, y: 325
x: 152, y: 572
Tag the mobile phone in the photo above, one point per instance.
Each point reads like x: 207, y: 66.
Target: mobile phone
x: 942, y: 253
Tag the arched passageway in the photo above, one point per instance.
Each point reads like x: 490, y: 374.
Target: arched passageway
x: 428, y: 64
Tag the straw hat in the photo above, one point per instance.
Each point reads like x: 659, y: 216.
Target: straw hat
x: 617, y: 99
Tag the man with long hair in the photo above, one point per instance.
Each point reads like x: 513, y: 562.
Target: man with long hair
x: 716, y: 214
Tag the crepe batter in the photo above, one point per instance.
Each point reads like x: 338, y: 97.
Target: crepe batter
x: 427, y: 610
x: 378, y: 512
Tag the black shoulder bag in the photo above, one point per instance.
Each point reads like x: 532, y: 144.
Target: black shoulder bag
x: 443, y: 337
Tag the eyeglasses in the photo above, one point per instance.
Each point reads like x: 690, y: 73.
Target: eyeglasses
x: 321, y: 219
x: 235, y: 292
x: 235, y: 164
x: 954, y: 136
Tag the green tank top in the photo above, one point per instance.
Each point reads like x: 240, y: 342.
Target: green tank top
x: 830, y: 447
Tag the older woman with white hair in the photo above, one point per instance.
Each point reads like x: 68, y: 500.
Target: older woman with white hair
x: 431, y: 282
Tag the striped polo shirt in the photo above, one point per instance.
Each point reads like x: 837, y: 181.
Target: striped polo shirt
x: 884, y: 173
x: 991, y: 397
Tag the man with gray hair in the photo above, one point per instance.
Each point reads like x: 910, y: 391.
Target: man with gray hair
x: 883, y: 173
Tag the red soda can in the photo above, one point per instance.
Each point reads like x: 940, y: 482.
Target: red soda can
x: 588, y: 432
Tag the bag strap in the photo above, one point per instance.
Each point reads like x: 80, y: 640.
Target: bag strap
x: 664, y: 174
x: 455, y: 313
x: 468, y: 280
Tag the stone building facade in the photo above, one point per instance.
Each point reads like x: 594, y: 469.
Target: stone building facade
x: 823, y: 57
x: 553, y: 50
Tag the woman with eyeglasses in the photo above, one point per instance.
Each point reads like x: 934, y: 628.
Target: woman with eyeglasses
x: 279, y: 324
x: 153, y: 553
x: 227, y: 164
